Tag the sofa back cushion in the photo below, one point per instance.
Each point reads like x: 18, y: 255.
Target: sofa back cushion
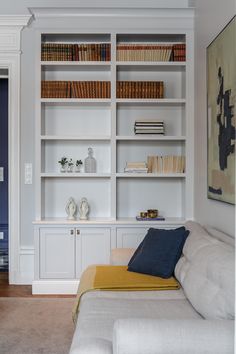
x: 206, y: 273
x: 159, y: 252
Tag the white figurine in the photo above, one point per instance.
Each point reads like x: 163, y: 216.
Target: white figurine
x: 71, y: 209
x: 83, y: 209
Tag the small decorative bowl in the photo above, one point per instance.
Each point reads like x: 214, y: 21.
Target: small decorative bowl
x: 152, y: 213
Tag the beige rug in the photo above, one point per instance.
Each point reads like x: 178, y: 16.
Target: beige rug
x: 35, y: 325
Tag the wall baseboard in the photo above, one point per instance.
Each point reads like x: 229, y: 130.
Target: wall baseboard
x: 55, y: 287
x: 25, y: 276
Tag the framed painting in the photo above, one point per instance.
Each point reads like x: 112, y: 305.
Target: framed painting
x: 221, y: 103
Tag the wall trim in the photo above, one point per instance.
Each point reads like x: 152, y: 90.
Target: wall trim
x: 10, y: 30
x: 55, y: 287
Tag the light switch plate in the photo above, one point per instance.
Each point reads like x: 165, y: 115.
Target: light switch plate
x: 28, y: 173
x: 1, y: 174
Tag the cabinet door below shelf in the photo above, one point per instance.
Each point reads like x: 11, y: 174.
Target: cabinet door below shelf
x: 93, y: 246
x: 57, y: 260
x: 130, y: 237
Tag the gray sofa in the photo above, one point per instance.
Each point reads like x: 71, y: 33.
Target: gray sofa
x: 198, y: 318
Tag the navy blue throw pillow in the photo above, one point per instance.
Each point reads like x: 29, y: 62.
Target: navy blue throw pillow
x: 159, y: 252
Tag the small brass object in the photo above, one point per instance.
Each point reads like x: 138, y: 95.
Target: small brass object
x: 152, y: 213
x: 143, y: 214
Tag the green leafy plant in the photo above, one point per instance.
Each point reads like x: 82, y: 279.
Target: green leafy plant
x: 79, y: 163
x: 63, y: 161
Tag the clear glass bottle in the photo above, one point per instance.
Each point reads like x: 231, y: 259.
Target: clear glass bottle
x: 90, y: 162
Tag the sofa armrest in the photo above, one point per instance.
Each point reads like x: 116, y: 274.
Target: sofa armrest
x: 121, y: 256
x: 157, y: 336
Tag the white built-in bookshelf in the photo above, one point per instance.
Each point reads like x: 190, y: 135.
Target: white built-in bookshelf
x: 68, y: 126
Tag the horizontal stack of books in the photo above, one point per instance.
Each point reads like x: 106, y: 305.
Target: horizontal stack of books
x: 166, y: 164
x: 179, y: 52
x: 150, y: 126
x: 90, y: 89
x: 75, y: 52
x: 136, y: 167
x: 140, y: 89
x: 151, y: 52
x: 55, y: 89
x: 75, y: 89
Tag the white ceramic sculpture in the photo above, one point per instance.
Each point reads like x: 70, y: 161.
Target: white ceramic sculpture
x: 71, y: 209
x: 83, y: 209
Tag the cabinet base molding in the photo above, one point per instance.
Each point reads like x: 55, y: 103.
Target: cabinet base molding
x: 55, y: 287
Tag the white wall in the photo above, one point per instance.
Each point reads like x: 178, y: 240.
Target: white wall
x: 211, y: 17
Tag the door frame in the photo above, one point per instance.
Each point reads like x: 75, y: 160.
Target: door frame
x: 10, y: 35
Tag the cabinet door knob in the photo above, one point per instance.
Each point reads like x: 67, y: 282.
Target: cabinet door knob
x: 77, y: 232
x: 72, y: 232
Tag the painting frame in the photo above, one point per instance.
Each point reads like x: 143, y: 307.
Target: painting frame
x: 221, y: 110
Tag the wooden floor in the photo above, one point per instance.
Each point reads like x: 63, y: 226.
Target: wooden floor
x: 7, y: 290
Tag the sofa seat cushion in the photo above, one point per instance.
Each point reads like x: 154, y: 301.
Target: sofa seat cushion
x: 206, y: 273
x: 100, y: 309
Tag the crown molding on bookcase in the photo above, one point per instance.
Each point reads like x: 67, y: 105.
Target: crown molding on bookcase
x: 14, y: 20
x: 109, y: 11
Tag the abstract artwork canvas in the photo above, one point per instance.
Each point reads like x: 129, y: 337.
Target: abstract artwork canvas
x: 221, y: 103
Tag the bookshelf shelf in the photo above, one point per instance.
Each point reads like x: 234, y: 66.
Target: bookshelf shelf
x: 150, y: 175
x: 75, y: 63
x: 75, y: 175
x: 77, y: 138
x: 76, y: 100
x: 161, y: 101
x: 150, y: 137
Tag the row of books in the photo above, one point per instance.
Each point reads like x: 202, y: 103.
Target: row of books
x: 166, y: 164
x: 140, y: 89
x: 101, y: 89
x: 75, y: 89
x: 150, y: 126
x: 75, y: 52
x: 137, y: 52
x: 102, y: 52
x: 136, y: 167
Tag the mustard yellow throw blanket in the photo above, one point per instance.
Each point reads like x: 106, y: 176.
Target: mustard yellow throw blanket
x: 117, y: 278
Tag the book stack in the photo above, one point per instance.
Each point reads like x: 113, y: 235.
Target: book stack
x: 141, y: 52
x: 90, y: 89
x: 92, y: 52
x: 136, y: 167
x: 56, y: 52
x: 55, y: 89
x: 75, y: 52
x: 140, y: 89
x: 179, y: 52
x: 166, y: 164
x: 150, y: 126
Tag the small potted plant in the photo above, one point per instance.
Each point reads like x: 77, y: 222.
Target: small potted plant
x: 70, y: 166
x: 78, y: 165
x: 63, y: 162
